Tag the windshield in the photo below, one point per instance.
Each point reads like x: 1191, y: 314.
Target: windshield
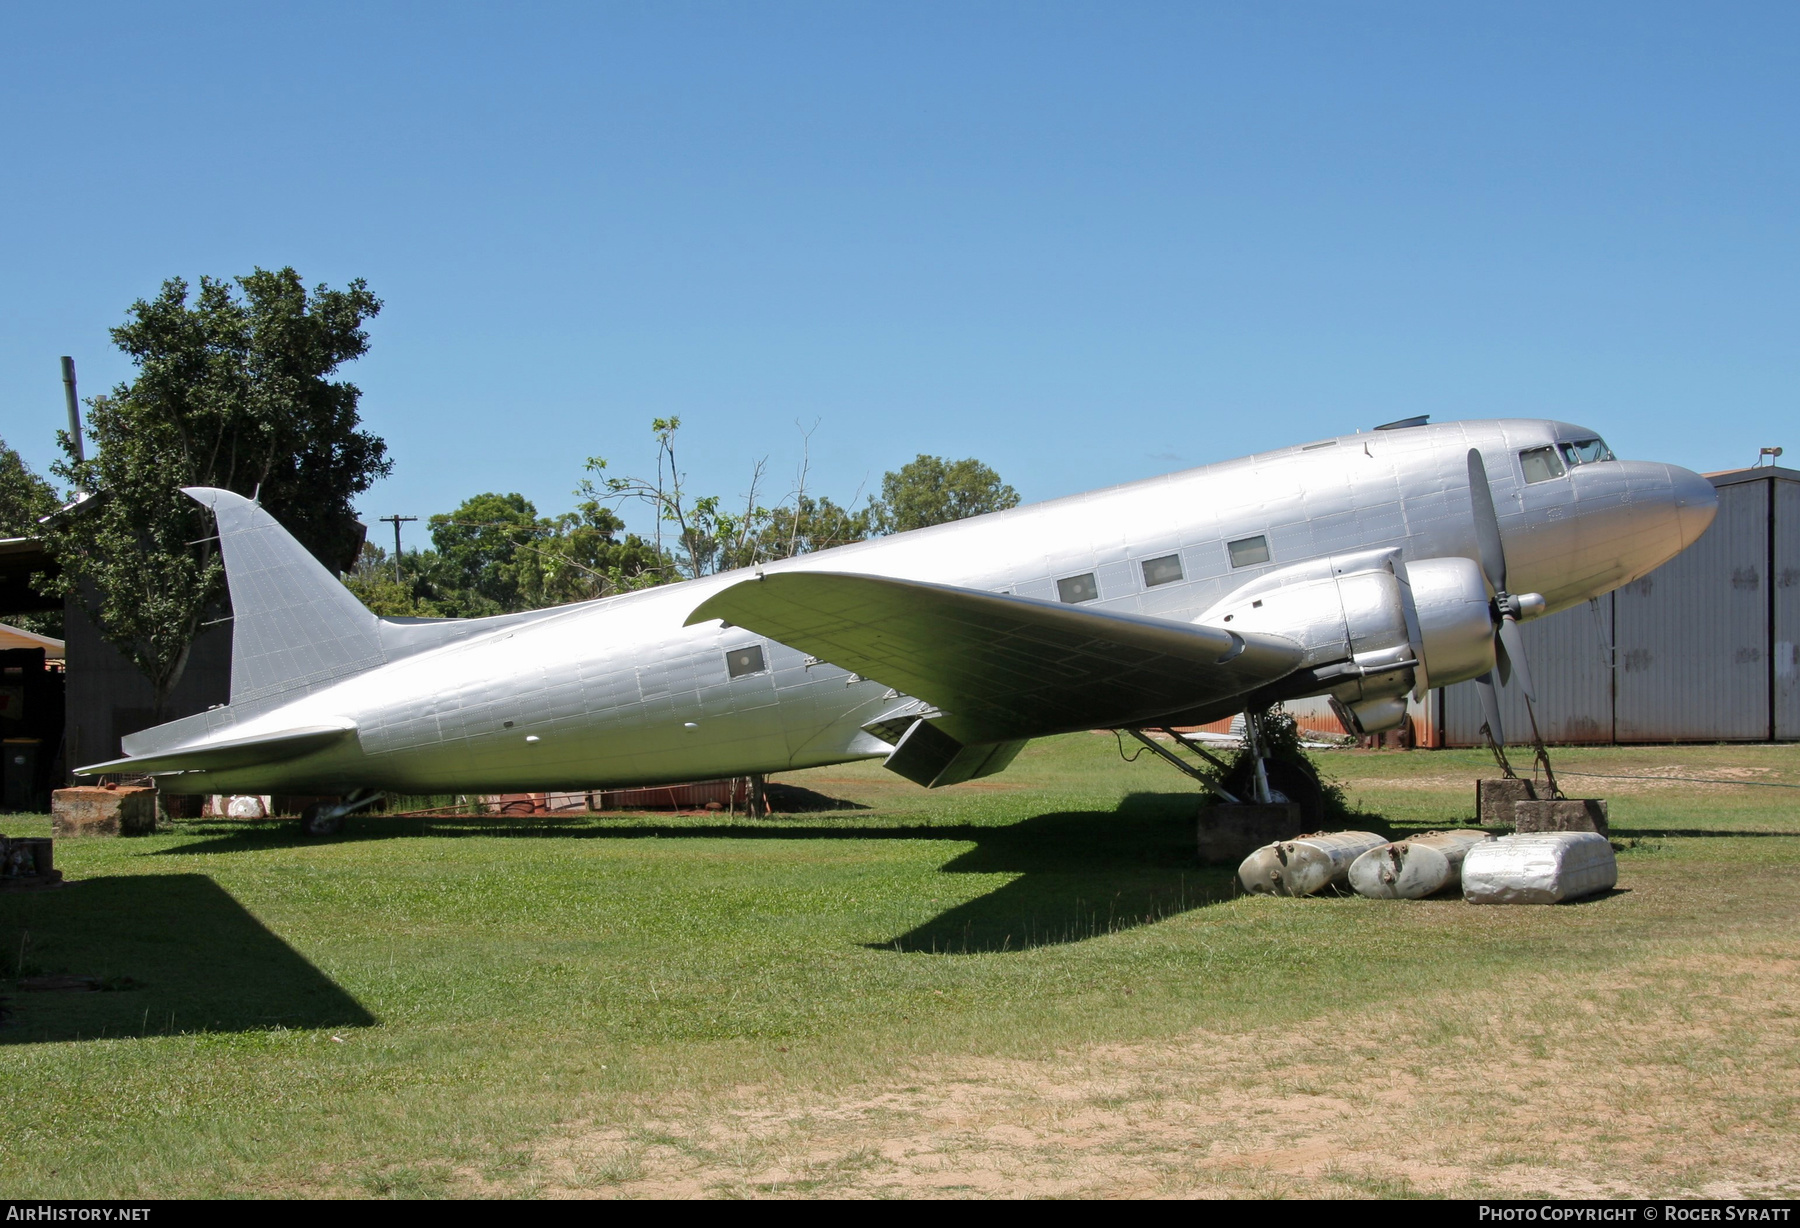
x: 1586, y: 452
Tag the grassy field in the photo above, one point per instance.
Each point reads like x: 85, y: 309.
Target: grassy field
x: 1018, y: 986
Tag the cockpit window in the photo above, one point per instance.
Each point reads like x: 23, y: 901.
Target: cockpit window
x: 1586, y: 452
x: 1541, y: 464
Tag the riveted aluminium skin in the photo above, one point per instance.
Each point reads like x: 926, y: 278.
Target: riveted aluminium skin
x: 621, y: 691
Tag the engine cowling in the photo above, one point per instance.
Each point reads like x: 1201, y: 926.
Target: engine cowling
x: 1373, y: 627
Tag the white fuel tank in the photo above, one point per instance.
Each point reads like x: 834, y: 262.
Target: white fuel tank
x: 1305, y: 865
x: 1539, y: 868
x: 1413, y: 868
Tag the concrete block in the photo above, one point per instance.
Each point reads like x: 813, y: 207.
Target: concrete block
x: 1569, y: 814
x: 1231, y: 832
x: 100, y: 810
x: 1494, y: 799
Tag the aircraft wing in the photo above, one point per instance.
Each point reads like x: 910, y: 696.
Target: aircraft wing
x: 1001, y: 666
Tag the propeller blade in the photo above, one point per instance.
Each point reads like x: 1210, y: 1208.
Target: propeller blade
x: 1514, y: 644
x: 1487, y: 523
x: 1488, y: 686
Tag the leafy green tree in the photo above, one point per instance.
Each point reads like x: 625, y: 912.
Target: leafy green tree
x: 494, y: 554
x: 478, y: 548
x: 232, y: 390
x: 24, y: 496
x: 809, y: 524
x: 24, y: 499
x: 707, y: 537
x: 930, y: 490
x: 373, y: 582
x: 586, y: 553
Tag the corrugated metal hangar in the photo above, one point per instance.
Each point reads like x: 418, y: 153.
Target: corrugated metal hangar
x: 1700, y: 650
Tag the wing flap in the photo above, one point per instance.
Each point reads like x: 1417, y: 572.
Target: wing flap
x: 1001, y: 666
x: 229, y: 753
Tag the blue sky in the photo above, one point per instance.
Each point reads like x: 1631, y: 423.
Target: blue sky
x: 1086, y: 243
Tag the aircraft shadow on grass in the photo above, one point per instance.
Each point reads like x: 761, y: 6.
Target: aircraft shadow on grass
x: 1081, y: 874
x: 171, y: 953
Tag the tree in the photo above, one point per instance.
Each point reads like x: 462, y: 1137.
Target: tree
x: 24, y: 499
x: 232, y: 390
x: 24, y: 496
x: 929, y: 490
x: 709, y: 538
x: 810, y: 524
x: 582, y: 556
x: 478, y: 550
x: 372, y: 581
x: 495, y: 555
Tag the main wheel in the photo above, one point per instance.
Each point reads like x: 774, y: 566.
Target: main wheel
x: 1297, y: 782
x: 321, y: 819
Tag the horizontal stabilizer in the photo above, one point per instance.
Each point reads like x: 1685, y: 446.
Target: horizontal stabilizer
x: 1002, y: 667
x: 232, y: 753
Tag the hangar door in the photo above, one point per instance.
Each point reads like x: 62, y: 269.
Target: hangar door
x: 1692, y: 636
x: 1786, y: 669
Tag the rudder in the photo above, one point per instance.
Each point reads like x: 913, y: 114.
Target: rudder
x: 295, y: 628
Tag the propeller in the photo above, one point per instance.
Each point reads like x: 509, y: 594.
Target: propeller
x: 1509, y: 644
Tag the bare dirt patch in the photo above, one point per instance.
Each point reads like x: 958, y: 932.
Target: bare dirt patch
x: 1679, y: 1077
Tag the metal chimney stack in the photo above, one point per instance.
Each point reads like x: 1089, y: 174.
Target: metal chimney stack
x: 68, y: 366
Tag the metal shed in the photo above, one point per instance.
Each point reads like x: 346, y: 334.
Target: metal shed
x: 1701, y: 649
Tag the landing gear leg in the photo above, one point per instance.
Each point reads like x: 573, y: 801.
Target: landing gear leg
x: 1253, y: 735
x: 327, y: 818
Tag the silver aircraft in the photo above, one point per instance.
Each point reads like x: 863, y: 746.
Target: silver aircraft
x: 1362, y: 568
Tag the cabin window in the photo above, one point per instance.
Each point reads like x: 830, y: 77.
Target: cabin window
x: 742, y: 662
x: 1586, y: 452
x: 1249, y: 551
x: 1078, y: 588
x: 1165, y: 570
x: 1541, y: 464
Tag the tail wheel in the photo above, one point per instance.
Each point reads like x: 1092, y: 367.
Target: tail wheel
x: 322, y: 819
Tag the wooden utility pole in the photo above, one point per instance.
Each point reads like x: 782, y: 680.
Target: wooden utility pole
x: 397, y: 521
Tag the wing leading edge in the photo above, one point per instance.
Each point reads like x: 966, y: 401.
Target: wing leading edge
x: 1002, y: 667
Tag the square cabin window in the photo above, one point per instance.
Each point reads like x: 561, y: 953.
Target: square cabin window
x: 1078, y: 588
x: 1541, y: 464
x: 1165, y: 570
x: 742, y: 662
x: 1249, y: 551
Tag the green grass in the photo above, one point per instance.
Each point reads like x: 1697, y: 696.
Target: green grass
x: 415, y: 1006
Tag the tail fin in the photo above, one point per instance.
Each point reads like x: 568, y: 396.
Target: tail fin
x: 295, y: 627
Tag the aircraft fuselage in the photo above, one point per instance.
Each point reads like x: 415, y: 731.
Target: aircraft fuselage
x: 619, y: 691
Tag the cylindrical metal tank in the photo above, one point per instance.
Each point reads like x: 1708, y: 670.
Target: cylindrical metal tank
x: 1413, y: 868
x: 1540, y: 868
x: 1305, y: 865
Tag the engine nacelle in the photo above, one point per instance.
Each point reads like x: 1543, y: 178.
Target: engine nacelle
x: 1373, y: 627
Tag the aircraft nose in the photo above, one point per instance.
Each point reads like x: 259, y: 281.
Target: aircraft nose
x: 1696, y: 502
